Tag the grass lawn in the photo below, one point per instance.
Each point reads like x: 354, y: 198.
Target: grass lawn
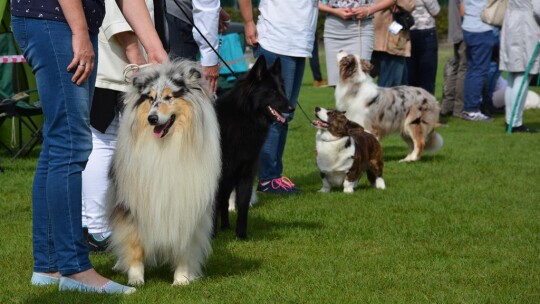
x: 461, y: 226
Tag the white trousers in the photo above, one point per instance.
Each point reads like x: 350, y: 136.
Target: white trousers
x: 95, y: 180
x: 510, y: 95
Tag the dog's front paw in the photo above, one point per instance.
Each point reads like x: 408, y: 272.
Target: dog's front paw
x: 379, y: 183
x: 181, y: 281
x: 348, y: 190
x: 324, y: 190
x: 136, y: 276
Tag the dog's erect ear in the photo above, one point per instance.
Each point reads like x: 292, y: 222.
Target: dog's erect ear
x: 258, y: 69
x: 276, y: 68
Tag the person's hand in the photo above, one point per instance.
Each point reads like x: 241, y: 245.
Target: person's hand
x: 211, y: 73
x: 83, y: 57
x: 224, y: 21
x: 250, y: 29
x: 361, y: 12
x: 343, y: 13
x: 157, y: 55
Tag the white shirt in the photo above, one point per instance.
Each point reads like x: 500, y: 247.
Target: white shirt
x: 288, y: 27
x: 111, y: 56
x: 206, y: 18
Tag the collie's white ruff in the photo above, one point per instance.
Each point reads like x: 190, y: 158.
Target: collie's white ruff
x: 161, y: 201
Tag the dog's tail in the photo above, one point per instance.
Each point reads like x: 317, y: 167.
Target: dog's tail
x: 434, y: 143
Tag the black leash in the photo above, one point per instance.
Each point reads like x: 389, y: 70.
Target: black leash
x: 221, y: 58
x: 206, y: 40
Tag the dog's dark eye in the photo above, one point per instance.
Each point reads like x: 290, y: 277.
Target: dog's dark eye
x: 147, y: 97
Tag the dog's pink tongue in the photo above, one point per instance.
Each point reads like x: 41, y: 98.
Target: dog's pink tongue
x: 158, y: 131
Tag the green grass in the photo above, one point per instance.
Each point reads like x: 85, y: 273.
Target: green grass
x: 461, y: 226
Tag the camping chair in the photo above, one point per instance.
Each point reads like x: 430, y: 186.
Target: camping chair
x: 231, y: 50
x: 18, y: 108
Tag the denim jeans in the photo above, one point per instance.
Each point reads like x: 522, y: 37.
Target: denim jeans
x: 392, y: 69
x: 422, y: 65
x: 479, y: 53
x: 58, y: 243
x: 292, y: 70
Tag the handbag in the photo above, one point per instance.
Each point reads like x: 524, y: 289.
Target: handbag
x: 493, y: 12
x: 403, y: 17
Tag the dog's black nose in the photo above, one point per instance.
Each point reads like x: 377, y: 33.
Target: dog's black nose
x: 153, y: 119
x: 317, y: 109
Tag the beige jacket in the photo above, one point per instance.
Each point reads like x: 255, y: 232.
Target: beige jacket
x: 399, y: 44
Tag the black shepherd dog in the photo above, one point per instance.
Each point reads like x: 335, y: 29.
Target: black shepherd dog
x: 245, y: 113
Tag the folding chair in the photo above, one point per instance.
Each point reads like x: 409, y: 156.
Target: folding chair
x: 18, y: 107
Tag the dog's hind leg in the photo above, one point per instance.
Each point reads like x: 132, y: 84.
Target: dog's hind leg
x: 126, y: 244
x: 243, y: 197
x: 221, y: 205
x: 374, y: 174
x: 415, y: 139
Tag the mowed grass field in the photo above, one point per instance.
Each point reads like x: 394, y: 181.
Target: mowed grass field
x: 460, y: 226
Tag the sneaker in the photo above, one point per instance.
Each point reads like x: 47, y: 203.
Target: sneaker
x: 96, y: 242
x: 476, y: 116
x: 320, y: 83
x: 280, y: 185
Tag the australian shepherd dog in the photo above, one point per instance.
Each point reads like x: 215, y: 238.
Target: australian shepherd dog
x: 165, y: 173
x: 245, y: 114
x: 411, y: 111
x: 344, y: 151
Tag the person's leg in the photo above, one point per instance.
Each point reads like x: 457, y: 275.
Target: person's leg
x: 270, y: 160
x: 460, y: 77
x: 414, y: 68
x: 514, y: 83
x: 392, y: 70
x: 479, y: 50
x: 182, y: 44
x: 43, y: 246
x: 428, y: 61
x: 96, y: 182
x: 449, y: 86
x: 68, y: 142
x: 314, y: 63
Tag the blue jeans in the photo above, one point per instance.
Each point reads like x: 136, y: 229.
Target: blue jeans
x: 292, y: 70
x: 479, y: 52
x: 58, y: 242
x: 392, y: 69
x: 422, y: 65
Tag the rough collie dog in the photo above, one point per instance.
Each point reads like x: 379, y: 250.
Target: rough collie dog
x: 411, y: 111
x: 245, y: 114
x: 344, y: 151
x: 164, y: 173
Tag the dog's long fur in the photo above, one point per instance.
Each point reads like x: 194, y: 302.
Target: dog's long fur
x: 245, y: 118
x: 163, y: 181
x: 411, y: 111
x: 344, y: 151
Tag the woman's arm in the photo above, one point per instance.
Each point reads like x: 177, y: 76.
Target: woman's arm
x: 83, y: 50
x: 138, y: 17
x: 250, y: 29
